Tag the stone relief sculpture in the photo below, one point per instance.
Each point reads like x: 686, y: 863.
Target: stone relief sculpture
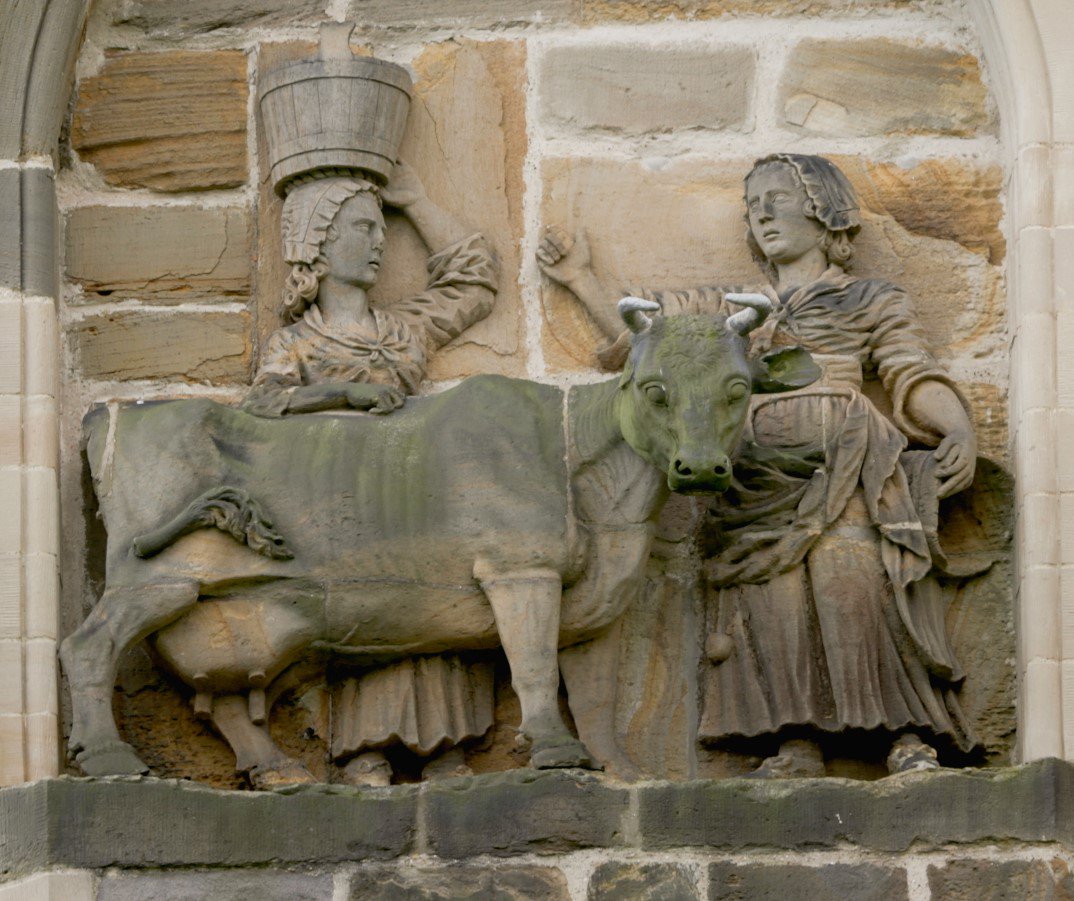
x: 445, y: 526
x: 393, y: 542
x: 828, y: 621
x: 341, y: 351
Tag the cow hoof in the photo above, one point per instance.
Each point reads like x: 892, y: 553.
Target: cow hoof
x: 114, y: 758
x: 562, y: 755
x: 282, y: 775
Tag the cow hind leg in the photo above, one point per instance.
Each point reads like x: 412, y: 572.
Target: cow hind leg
x: 90, y: 657
x: 526, y: 606
x: 256, y: 754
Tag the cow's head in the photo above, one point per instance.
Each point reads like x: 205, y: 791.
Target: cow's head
x: 687, y: 385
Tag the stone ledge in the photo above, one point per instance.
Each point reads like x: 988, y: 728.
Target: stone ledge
x: 145, y: 823
x: 1031, y: 803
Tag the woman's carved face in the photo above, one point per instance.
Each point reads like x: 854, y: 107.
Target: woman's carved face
x: 355, y: 242
x: 776, y: 205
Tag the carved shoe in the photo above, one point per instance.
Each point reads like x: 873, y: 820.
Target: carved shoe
x: 368, y: 769
x: 909, y: 754
x: 795, y: 760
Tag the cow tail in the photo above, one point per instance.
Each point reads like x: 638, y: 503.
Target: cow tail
x: 231, y: 510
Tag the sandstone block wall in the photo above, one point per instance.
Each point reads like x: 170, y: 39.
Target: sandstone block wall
x: 633, y: 120
x: 942, y: 836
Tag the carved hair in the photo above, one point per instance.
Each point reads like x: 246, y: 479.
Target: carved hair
x: 301, y: 286
x: 830, y: 200
x: 309, y: 212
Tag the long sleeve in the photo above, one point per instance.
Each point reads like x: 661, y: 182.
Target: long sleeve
x: 463, y: 280
x: 900, y: 351
x: 280, y: 371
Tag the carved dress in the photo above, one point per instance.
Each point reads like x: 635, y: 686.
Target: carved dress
x: 821, y: 550
x: 424, y: 703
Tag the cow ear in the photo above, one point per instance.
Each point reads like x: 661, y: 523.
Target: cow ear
x: 783, y: 370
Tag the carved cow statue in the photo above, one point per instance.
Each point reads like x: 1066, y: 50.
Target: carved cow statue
x: 500, y: 512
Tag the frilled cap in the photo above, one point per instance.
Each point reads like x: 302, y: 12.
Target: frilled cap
x: 834, y: 198
x: 311, y: 206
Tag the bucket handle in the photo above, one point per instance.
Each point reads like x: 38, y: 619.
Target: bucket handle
x: 336, y: 40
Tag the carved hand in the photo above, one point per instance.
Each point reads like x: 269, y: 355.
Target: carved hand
x: 404, y: 189
x: 956, y: 459
x: 563, y: 259
x: 374, y: 398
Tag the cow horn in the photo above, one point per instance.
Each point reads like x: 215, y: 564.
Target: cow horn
x: 745, y: 321
x: 632, y: 310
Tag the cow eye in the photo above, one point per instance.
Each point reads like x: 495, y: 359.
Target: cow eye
x: 656, y: 394
x: 737, y: 391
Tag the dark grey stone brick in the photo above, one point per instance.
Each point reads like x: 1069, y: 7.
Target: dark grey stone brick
x: 28, y: 251
x: 523, y: 811
x: 1018, y: 803
x: 10, y: 229
x: 410, y: 883
x: 789, y: 882
x: 146, y: 822
x: 220, y: 885
x: 989, y: 880
x: 40, y: 269
x: 641, y: 882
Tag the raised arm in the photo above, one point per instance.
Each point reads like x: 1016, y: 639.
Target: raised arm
x: 436, y: 227
x: 567, y: 262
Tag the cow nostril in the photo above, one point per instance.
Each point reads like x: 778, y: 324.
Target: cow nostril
x: 682, y: 470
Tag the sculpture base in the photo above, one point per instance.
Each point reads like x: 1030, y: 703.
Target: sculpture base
x: 554, y: 834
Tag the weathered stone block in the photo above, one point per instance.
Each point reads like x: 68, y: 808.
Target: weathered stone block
x: 949, y: 198
x: 172, y: 121
x: 413, y: 883
x: 208, y: 15
x: 776, y: 882
x: 10, y: 229
x: 459, y: 12
x: 1020, y: 803
x: 159, y: 254
x: 523, y: 812
x: 843, y: 88
x: 639, y: 89
x: 641, y: 882
x: 1000, y: 880
x: 141, y: 822
x: 28, y: 231
x: 148, y: 344
x: 220, y: 885
x: 596, y: 11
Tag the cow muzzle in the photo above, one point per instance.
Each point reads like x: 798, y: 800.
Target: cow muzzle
x: 689, y: 476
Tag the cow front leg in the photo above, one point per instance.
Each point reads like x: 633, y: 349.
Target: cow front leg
x: 90, y: 658
x: 526, y: 606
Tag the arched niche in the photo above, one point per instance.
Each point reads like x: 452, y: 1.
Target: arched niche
x: 1029, y: 50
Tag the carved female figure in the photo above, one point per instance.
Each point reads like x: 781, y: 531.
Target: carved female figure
x: 341, y: 351
x: 828, y: 620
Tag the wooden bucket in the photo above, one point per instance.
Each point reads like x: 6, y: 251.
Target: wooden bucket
x: 336, y: 111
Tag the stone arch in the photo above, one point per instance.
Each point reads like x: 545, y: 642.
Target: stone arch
x: 1029, y: 49
x: 1024, y: 42
x: 39, y: 41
